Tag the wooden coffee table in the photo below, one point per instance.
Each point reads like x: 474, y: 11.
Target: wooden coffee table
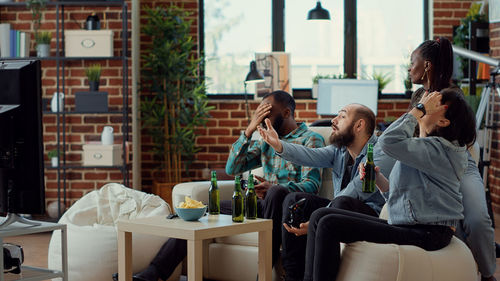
x: 208, y: 227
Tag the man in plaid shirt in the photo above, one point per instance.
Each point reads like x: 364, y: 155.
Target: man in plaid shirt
x: 280, y: 176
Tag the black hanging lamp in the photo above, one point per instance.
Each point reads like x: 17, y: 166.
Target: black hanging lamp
x: 318, y: 13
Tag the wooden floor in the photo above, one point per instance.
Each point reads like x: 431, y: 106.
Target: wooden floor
x: 36, y: 247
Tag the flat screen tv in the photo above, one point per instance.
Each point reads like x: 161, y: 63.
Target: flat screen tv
x: 22, y: 188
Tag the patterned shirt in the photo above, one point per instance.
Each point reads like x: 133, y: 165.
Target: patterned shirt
x: 247, y: 154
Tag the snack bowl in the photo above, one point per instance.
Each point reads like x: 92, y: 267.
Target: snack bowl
x: 191, y: 214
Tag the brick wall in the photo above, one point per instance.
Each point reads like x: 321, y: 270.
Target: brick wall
x: 79, y: 128
x: 447, y: 13
x: 494, y: 175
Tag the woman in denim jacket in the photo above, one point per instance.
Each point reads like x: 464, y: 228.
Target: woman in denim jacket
x: 423, y: 197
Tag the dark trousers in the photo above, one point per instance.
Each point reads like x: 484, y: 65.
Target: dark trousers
x: 175, y: 250
x: 330, y: 226
x: 294, y: 247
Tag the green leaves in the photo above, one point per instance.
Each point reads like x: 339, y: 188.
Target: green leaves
x: 174, y: 101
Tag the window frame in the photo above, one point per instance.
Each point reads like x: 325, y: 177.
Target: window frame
x: 278, y: 40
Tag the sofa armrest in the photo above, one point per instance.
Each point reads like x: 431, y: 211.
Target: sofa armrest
x: 198, y: 190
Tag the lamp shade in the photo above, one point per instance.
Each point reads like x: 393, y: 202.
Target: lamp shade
x: 318, y: 13
x: 253, y: 76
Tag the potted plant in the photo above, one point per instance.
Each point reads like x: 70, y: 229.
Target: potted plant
x: 174, y: 102
x: 42, y: 39
x: 53, y: 157
x: 36, y: 7
x: 383, y: 79
x: 93, y: 74
x: 461, y: 34
x: 324, y: 76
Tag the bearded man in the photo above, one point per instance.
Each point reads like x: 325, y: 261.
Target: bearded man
x: 353, y: 128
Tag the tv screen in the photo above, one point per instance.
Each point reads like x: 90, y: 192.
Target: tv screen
x: 22, y: 188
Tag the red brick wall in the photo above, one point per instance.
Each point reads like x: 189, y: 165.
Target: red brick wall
x: 80, y: 128
x: 447, y: 13
x: 494, y: 174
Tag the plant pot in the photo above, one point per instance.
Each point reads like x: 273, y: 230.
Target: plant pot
x: 42, y: 50
x: 164, y: 190
x: 93, y: 86
x: 314, y: 91
x: 54, y: 161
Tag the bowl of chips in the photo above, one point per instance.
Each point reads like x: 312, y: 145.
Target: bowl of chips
x: 190, y: 210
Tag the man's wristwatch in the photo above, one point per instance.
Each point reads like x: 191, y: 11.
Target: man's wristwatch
x: 421, y: 107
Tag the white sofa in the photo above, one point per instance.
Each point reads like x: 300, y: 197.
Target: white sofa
x: 235, y: 258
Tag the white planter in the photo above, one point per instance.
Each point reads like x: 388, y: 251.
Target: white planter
x: 315, y: 91
x: 54, y: 161
x: 42, y: 50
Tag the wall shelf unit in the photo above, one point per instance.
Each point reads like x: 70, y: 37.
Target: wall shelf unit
x: 63, y: 65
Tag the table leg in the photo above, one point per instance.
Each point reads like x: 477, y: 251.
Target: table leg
x: 265, y: 255
x: 124, y: 256
x: 64, y: 252
x: 1, y: 261
x: 195, y: 260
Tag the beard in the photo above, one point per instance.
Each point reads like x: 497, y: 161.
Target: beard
x: 278, y: 122
x: 344, y: 138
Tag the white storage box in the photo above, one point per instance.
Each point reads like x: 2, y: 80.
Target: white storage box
x: 102, y: 155
x: 89, y: 43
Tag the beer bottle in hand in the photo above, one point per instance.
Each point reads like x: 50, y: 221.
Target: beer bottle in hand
x: 237, y: 202
x: 250, y: 200
x: 213, y: 196
x: 369, y: 180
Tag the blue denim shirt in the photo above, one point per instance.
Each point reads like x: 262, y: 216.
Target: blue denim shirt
x: 336, y: 158
x: 424, y: 185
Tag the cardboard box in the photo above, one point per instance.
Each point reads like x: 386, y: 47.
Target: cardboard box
x: 89, y: 43
x: 96, y: 154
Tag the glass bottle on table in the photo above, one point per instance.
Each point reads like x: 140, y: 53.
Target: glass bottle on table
x: 369, y: 180
x: 237, y: 205
x: 250, y: 200
x: 213, y: 196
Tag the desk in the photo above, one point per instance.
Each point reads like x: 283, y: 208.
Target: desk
x: 208, y: 227
x: 35, y: 273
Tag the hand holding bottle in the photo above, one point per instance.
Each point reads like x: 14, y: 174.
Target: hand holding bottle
x: 381, y: 181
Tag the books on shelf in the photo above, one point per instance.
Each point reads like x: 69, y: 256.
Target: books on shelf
x: 13, y: 43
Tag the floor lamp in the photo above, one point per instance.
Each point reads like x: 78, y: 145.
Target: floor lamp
x: 253, y: 76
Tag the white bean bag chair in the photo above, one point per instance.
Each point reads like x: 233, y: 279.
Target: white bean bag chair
x: 92, y: 235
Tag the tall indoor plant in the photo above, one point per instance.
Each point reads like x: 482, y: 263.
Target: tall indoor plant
x: 174, y: 101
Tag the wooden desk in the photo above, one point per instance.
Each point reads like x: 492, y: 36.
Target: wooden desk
x: 207, y: 227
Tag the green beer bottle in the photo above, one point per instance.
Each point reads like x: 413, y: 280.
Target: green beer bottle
x: 250, y: 200
x: 369, y: 180
x: 213, y: 196
x: 237, y: 202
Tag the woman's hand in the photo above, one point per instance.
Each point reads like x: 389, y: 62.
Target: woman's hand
x: 432, y: 102
x: 302, y: 230
x: 270, y: 136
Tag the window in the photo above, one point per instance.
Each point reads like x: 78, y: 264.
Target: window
x: 315, y: 47
x: 388, y: 30
x: 234, y: 32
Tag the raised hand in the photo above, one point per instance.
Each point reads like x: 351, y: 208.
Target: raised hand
x: 432, y: 102
x: 260, y: 113
x: 270, y: 136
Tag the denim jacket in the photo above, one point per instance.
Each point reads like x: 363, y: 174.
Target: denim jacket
x: 424, y: 185
x: 336, y: 158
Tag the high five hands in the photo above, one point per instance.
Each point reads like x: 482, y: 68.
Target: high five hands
x: 270, y: 136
